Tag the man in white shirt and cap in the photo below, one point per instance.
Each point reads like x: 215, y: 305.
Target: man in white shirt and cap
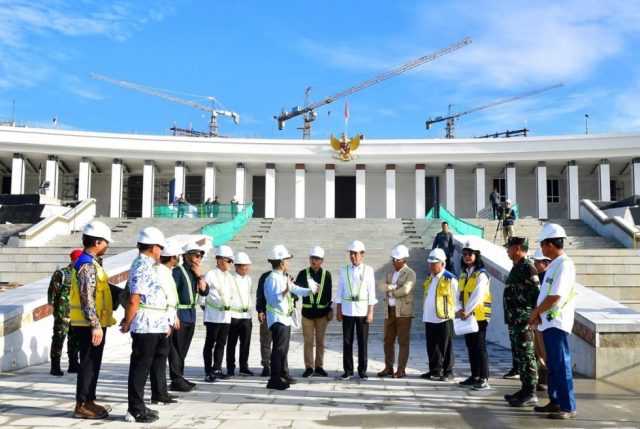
x: 355, y: 299
x: 439, y: 306
x: 240, y: 327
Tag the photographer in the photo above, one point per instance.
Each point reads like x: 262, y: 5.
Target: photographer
x: 507, y: 216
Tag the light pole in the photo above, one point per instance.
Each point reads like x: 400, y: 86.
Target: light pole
x: 586, y: 123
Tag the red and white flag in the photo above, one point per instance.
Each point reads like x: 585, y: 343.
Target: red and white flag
x: 346, y: 111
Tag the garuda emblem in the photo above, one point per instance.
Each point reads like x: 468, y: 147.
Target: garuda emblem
x: 345, y: 148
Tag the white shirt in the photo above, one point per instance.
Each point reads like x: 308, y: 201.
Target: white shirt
x: 170, y: 290
x: 363, y: 286
x: 241, y: 297
x: 394, y: 281
x: 478, y: 294
x: 561, y: 273
x: 429, y: 305
x: 220, y: 287
x: 279, y: 304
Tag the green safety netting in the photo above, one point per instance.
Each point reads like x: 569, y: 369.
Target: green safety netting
x: 457, y: 225
x: 223, y: 232
x: 219, y: 211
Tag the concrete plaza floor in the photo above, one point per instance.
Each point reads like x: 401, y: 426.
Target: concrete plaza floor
x: 31, y: 398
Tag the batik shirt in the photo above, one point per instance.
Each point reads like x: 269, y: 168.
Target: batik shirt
x: 144, y: 280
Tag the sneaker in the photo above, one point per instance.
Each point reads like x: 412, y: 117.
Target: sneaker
x: 266, y: 372
x: 307, y: 373
x: 84, y: 410
x: 434, y: 376
x: 141, y: 418
x: 469, y: 382
x: 563, y: 415
x: 277, y: 384
x: 526, y: 400
x: 346, y: 376
x: 447, y: 377
x: 210, y: 378
x: 246, y: 371
x: 549, y: 408
x: 481, y: 384
x: 510, y: 397
x: 168, y: 399
x: 363, y: 375
x: 321, y: 372
x: 513, y: 374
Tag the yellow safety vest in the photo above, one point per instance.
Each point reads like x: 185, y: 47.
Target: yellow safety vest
x: 445, y: 306
x: 467, y: 286
x: 103, y: 300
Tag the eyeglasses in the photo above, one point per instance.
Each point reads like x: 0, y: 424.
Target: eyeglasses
x: 227, y: 260
x: 196, y: 255
x: 394, y: 260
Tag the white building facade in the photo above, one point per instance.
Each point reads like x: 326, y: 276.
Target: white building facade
x: 129, y: 174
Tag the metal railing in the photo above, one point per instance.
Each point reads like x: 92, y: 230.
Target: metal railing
x: 213, y: 211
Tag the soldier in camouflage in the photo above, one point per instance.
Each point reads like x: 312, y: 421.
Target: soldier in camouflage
x: 519, y: 299
x: 58, y: 298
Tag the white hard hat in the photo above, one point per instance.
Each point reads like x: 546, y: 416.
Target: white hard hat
x: 317, y: 251
x: 538, y: 256
x: 400, y: 252
x: 552, y: 230
x: 471, y: 244
x: 508, y: 201
x: 98, y: 229
x: 192, y: 247
x: 171, y: 248
x: 225, y: 252
x: 151, y: 235
x: 242, y: 259
x: 437, y: 255
x: 356, y: 246
x: 278, y: 252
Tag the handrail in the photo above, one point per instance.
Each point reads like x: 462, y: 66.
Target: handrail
x: 614, y: 227
x: 214, y: 211
x: 458, y: 225
x: 223, y: 232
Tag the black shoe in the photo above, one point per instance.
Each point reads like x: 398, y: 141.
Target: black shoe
x: 307, y: 373
x: 221, y: 375
x: 481, y: 384
x: 211, y: 378
x: 168, y: 399
x: 141, y: 418
x: 150, y: 411
x: 526, y: 400
x: 549, y: 408
x: 541, y: 387
x: 510, y: 397
x: 55, y: 367
x: 278, y: 384
x: 363, y: 375
x: 180, y: 386
x: 246, y: 371
x: 469, y: 382
x: 346, y: 376
x: 512, y: 374
x: 266, y: 372
x: 320, y: 372
x: 446, y: 377
x: 288, y: 379
x: 74, y: 366
x: 431, y: 376
x: 190, y: 383
x: 231, y: 374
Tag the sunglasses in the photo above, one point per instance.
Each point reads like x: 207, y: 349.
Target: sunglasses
x: 196, y: 255
x: 227, y: 260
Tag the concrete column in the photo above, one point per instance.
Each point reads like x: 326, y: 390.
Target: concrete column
x: 84, y: 179
x: 635, y: 176
x: 117, y: 168
x: 420, y: 191
x: 604, y: 179
x: 52, y: 175
x: 573, y: 200
x: 270, y: 191
x: 148, y: 187
x: 17, y: 174
x: 391, y: 191
x: 179, y: 176
x: 481, y: 197
x: 360, y: 191
x: 330, y: 191
x: 240, y: 185
x: 209, y: 181
x: 299, y: 199
x: 510, y: 182
x: 541, y: 190
x: 450, y: 179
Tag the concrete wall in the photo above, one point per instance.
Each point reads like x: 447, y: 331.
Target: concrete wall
x: 285, y: 193
x: 314, y: 195
x: 405, y: 195
x: 376, y: 199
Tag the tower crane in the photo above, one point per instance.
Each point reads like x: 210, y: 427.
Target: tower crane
x: 309, y: 113
x: 452, y: 118
x: 213, y: 121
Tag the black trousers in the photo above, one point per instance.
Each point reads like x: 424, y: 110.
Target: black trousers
x: 440, y: 347
x: 213, y: 350
x: 90, y: 363
x: 279, y: 349
x: 180, y: 341
x: 477, y: 348
x: 238, y: 329
x: 148, y: 353
x: 361, y: 327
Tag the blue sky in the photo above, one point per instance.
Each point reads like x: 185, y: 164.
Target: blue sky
x: 257, y: 57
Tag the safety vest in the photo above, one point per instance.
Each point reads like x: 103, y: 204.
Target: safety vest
x: 467, y: 286
x: 315, y: 301
x: 226, y: 301
x: 354, y: 295
x: 192, y: 301
x: 445, y: 306
x: 103, y: 299
x: 290, y: 308
x: 554, y: 311
x: 243, y: 307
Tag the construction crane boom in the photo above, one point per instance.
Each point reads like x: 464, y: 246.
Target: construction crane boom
x: 213, y: 122
x: 451, y: 118
x: 309, y: 110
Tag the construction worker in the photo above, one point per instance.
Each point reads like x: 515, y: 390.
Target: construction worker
x: 316, y: 312
x: 508, y: 217
x: 278, y: 288
x: 519, y: 298
x: 554, y: 316
x: 355, y: 299
x: 241, y: 325
x: 439, y: 300
x: 145, y: 318
x: 58, y: 298
x: 217, y: 313
x: 265, y: 333
x: 91, y: 314
x: 397, y: 286
x: 474, y: 300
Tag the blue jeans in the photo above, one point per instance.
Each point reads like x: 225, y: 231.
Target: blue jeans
x: 559, y: 365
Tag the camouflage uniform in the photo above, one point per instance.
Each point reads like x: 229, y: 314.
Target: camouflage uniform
x: 519, y: 299
x: 58, y: 297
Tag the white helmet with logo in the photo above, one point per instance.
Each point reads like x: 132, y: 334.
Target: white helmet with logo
x: 151, y: 235
x: 171, y: 248
x: 224, y: 252
x: 552, y: 230
x: 539, y: 256
x: 98, y: 229
x: 356, y: 246
x: 317, y: 251
x: 242, y: 259
x: 278, y: 253
x: 193, y: 247
x: 400, y: 252
x: 472, y: 244
x: 437, y: 255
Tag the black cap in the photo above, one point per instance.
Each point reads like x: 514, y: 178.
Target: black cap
x: 518, y: 241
